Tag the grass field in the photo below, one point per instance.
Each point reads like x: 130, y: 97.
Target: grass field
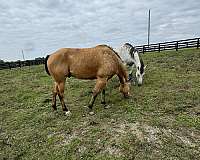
x: 161, y: 120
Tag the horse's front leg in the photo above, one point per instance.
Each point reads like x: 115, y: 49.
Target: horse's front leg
x: 103, y: 101
x: 100, y: 85
x: 131, y: 77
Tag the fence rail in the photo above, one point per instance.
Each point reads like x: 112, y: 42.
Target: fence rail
x: 176, y: 45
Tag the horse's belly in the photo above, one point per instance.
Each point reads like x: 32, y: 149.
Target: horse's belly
x: 83, y: 73
x: 83, y: 76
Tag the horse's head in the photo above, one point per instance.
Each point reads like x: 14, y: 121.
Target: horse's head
x: 140, y: 72
x: 136, y: 60
x: 140, y: 68
x: 125, y: 89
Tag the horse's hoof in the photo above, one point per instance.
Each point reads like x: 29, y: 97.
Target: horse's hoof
x: 103, y: 103
x: 91, y: 113
x: 106, y: 106
x: 68, y: 113
x: 54, y: 108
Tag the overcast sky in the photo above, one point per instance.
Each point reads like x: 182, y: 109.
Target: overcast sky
x: 40, y: 27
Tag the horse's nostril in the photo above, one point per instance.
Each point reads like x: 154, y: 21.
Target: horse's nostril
x: 139, y: 85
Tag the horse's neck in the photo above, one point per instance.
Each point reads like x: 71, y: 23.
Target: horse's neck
x: 127, y: 58
x: 124, y: 54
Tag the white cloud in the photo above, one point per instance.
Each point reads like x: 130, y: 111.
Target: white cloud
x: 46, y: 25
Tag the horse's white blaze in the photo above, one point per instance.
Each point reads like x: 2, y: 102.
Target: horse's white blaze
x: 139, y: 77
x: 137, y: 59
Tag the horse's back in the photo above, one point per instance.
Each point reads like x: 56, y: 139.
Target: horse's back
x: 84, y: 63
x: 88, y: 63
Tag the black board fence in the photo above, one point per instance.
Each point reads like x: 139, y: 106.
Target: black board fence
x: 19, y: 64
x: 172, y: 45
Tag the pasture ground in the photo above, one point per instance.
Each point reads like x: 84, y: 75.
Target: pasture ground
x: 161, y: 120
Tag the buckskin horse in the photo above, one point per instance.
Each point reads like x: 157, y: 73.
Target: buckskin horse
x: 100, y: 63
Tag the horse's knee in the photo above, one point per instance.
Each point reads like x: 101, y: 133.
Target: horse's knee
x: 100, y: 85
x: 60, y: 89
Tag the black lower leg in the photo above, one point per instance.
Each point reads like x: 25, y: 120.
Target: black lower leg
x: 54, y: 107
x: 65, y: 108
x: 91, y: 103
x: 103, y: 101
x: 54, y: 101
x: 62, y: 103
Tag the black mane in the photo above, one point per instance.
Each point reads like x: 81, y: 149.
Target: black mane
x: 132, y: 50
x: 142, y: 66
x: 128, y: 44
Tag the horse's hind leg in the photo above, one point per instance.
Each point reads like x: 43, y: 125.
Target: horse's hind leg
x: 55, y: 92
x: 100, y: 84
x: 61, y: 87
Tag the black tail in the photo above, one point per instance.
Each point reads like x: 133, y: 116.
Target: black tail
x: 46, y: 67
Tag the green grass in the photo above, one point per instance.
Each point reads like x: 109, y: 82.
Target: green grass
x: 161, y: 120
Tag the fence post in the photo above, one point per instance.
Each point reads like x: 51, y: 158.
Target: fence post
x: 9, y: 65
x: 198, y: 43
x: 143, y: 49
x: 159, y: 47
x: 20, y: 64
x: 176, y: 45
